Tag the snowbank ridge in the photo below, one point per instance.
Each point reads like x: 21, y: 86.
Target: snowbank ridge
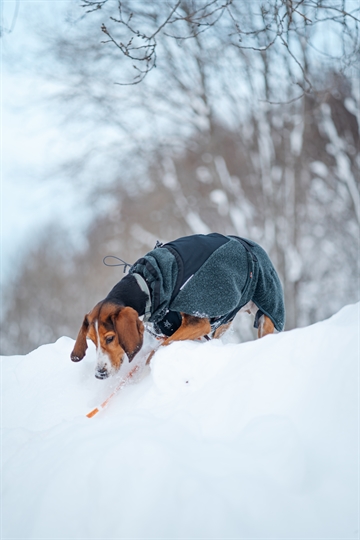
x: 254, y: 440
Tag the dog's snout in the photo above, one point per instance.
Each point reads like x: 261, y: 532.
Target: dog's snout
x: 101, y: 373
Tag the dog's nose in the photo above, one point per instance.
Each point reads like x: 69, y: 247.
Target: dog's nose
x: 101, y: 373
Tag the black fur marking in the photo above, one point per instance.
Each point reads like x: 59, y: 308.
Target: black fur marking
x: 128, y: 293
x: 109, y: 324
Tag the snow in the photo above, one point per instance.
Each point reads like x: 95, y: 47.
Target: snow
x: 196, y: 224
x: 319, y: 168
x: 143, y: 236
x: 296, y: 136
x: 170, y: 180
x: 204, y: 175
x: 336, y: 147
x: 219, y: 197
x: 215, y: 440
x: 294, y: 264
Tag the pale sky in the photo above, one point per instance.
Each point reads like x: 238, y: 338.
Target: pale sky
x: 32, y: 144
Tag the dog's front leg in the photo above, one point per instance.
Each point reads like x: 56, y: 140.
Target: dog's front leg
x: 191, y: 328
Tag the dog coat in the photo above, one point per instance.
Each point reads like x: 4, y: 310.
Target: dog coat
x: 210, y: 276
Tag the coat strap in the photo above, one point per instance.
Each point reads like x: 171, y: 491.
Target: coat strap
x: 144, y: 287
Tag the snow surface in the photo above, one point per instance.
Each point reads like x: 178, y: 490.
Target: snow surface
x: 253, y: 440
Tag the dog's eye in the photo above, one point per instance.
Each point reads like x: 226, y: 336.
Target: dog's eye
x: 109, y: 339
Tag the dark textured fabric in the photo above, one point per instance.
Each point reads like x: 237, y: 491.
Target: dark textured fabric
x: 268, y: 295
x: 169, y: 324
x: 160, y: 269
x: 191, y: 252
x: 228, y: 276
x: 218, y: 285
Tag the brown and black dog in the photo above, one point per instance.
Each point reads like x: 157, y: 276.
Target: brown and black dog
x: 114, y: 324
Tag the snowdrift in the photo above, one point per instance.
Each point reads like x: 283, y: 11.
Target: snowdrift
x: 254, y: 440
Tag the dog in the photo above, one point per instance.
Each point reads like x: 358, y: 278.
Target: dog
x: 189, y: 288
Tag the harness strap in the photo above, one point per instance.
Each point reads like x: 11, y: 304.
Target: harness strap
x: 144, y: 287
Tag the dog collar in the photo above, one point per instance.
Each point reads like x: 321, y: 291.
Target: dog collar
x: 144, y: 287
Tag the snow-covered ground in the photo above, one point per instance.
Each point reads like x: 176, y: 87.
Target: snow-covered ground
x: 253, y: 440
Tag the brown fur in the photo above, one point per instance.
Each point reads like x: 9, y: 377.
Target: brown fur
x: 108, y: 321
x: 221, y: 330
x: 266, y: 326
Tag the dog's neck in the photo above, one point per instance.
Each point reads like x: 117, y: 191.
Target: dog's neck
x: 128, y: 293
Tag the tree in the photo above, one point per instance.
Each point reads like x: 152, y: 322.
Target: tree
x: 202, y: 144
x: 141, y: 32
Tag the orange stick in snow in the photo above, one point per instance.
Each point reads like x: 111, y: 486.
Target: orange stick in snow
x: 119, y: 386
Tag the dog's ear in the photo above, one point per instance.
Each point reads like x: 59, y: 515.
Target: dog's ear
x: 130, y: 331
x: 80, y: 346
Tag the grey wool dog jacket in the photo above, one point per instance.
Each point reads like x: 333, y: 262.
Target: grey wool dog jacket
x: 210, y: 276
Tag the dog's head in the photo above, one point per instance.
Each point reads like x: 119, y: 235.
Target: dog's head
x: 115, y: 330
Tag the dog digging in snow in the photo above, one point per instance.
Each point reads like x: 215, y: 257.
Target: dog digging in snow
x: 189, y: 288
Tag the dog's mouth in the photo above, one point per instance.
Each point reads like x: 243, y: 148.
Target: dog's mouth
x: 102, y: 373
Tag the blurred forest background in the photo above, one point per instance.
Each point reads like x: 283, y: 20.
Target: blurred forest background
x: 196, y: 116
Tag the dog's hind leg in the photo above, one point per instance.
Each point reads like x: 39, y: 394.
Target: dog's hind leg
x: 266, y: 326
x: 221, y: 330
